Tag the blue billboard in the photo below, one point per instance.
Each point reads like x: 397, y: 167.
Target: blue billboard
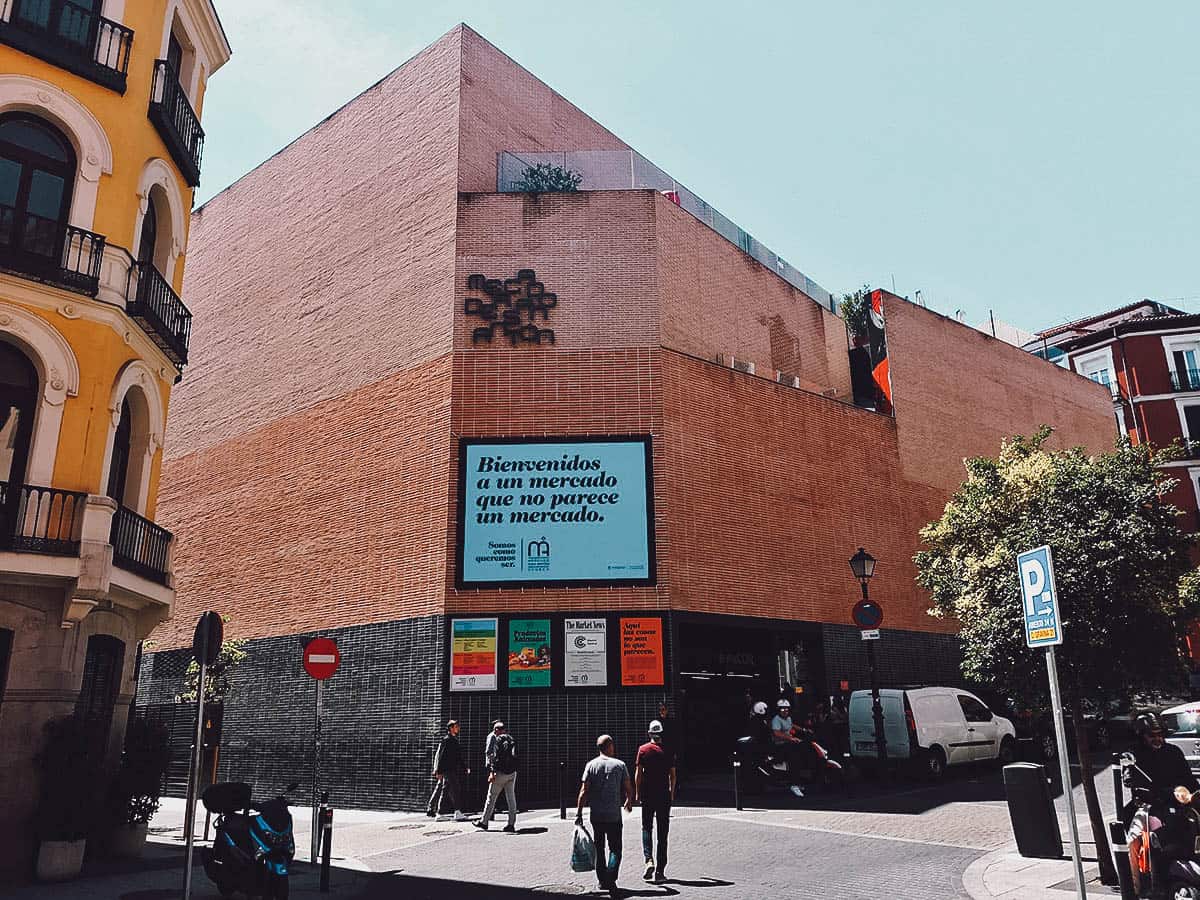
x: 549, y: 511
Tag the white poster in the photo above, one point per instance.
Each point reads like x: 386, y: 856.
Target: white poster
x: 585, y: 653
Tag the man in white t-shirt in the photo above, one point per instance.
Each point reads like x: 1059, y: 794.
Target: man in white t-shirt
x: 787, y: 744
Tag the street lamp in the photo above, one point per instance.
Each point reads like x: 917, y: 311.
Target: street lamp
x: 862, y: 564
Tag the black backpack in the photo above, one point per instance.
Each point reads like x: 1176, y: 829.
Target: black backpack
x: 506, y: 754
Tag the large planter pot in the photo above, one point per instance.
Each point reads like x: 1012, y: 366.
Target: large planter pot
x: 60, y: 860
x: 128, y: 840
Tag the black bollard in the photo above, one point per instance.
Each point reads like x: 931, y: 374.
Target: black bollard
x: 326, y: 820
x: 562, y: 797
x: 737, y: 765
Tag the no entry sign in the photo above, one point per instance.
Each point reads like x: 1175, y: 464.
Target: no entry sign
x: 321, y: 658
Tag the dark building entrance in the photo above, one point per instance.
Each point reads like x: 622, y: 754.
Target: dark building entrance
x: 725, y: 666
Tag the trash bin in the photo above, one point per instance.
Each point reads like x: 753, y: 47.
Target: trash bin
x: 1034, y: 821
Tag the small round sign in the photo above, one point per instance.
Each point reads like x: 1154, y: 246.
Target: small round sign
x: 867, y: 614
x: 321, y: 658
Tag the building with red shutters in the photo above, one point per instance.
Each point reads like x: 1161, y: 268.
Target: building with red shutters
x: 541, y: 455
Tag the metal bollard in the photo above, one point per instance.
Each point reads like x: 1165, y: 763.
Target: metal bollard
x: 325, y: 821
x: 562, y: 797
x: 737, y: 765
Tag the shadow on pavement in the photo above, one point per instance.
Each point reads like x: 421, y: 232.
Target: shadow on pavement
x: 416, y: 887
x: 702, y: 882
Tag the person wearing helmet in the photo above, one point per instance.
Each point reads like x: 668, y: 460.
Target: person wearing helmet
x: 1164, y: 764
x: 787, y: 744
x: 654, y: 788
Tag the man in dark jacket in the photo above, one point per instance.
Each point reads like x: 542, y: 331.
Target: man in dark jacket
x: 449, y: 768
x: 1164, y: 764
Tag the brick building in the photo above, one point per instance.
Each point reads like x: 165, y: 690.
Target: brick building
x: 372, y: 307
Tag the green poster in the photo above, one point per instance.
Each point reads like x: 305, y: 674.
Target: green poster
x: 528, y: 653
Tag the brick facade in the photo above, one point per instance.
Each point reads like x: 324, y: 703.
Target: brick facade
x: 314, y: 479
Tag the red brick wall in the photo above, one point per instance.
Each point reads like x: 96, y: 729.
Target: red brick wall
x: 505, y: 107
x: 959, y: 392
x: 334, y: 515
x: 328, y: 267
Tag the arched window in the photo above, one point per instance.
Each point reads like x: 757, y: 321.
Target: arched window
x: 37, y: 171
x: 148, y: 239
x: 118, y: 472
x: 18, y: 402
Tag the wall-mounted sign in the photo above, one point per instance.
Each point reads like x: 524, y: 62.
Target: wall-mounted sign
x: 585, y: 652
x: 641, y: 651
x: 510, y: 307
x: 529, y: 653
x: 555, y: 511
x: 473, y: 654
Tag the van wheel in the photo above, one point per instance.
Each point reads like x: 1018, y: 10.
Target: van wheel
x: 1008, y: 751
x: 935, y: 764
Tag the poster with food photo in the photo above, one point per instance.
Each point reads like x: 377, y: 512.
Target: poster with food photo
x: 528, y: 653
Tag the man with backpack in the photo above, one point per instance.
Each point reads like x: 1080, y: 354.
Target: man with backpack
x: 500, y: 754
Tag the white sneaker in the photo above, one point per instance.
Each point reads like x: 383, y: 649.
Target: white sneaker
x: 445, y: 817
x: 460, y: 816
x: 797, y: 791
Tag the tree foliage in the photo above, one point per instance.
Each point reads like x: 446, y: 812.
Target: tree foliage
x: 219, y: 676
x: 548, y: 179
x: 1119, y: 555
x: 855, y: 309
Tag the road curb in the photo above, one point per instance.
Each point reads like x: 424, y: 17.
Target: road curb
x: 972, y: 878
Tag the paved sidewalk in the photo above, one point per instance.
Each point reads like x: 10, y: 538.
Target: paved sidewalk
x: 1008, y: 875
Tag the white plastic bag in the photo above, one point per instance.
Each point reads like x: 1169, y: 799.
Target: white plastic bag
x: 583, y: 850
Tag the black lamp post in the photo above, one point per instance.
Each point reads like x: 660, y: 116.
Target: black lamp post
x: 862, y: 564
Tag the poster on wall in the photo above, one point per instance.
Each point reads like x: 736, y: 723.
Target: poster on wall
x: 473, y: 654
x: 641, y: 651
x: 555, y: 512
x: 528, y: 653
x: 585, y: 653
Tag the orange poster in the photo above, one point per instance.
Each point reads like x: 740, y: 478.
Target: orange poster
x: 641, y: 651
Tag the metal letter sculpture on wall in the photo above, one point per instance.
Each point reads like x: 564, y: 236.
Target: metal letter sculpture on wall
x: 511, y: 306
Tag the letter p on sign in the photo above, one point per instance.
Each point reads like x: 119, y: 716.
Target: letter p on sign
x: 1039, y: 598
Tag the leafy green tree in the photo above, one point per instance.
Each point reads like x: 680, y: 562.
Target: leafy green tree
x: 1119, y: 556
x: 218, y: 678
x: 547, y: 179
x: 855, y: 309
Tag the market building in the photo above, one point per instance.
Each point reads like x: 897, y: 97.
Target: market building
x: 100, y: 149
x: 543, y: 456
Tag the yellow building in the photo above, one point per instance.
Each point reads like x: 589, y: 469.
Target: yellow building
x: 100, y: 151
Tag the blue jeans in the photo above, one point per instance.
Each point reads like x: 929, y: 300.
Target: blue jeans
x: 607, y: 866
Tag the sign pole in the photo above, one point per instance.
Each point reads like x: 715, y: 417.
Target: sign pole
x: 1064, y: 766
x: 316, y: 779
x: 194, y: 781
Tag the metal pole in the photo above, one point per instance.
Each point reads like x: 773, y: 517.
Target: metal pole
x: 562, y: 797
x: 316, y: 831
x: 326, y: 842
x: 876, y: 703
x: 212, y: 780
x: 189, y: 814
x: 1064, y: 766
x: 737, y: 765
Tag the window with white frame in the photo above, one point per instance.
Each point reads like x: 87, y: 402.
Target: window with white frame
x: 1098, y: 367
x: 1183, y: 359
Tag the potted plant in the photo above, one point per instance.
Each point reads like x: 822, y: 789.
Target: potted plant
x: 70, y: 770
x: 137, y: 787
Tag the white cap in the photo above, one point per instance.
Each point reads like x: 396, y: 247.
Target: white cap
x: 655, y: 727
x: 783, y: 704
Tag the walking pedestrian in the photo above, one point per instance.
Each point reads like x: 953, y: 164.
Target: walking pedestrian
x: 654, y: 788
x: 449, y: 769
x: 500, y: 755
x: 605, y: 787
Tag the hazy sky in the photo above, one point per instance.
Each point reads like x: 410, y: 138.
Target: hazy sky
x: 1037, y: 159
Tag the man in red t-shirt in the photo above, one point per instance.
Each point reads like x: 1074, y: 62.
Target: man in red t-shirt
x: 654, y: 787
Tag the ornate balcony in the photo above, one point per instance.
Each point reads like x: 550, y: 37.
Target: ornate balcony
x: 40, y: 519
x: 153, y: 304
x: 70, y: 261
x: 1185, y: 380
x: 140, y: 546
x: 176, y: 121
x: 70, y: 36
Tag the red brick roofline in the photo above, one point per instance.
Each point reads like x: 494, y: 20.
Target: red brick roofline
x: 1087, y: 320
x: 1169, y: 322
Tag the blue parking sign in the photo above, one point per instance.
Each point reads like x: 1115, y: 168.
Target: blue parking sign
x: 1039, y: 597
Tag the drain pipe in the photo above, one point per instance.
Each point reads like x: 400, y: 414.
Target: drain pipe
x: 1137, y: 429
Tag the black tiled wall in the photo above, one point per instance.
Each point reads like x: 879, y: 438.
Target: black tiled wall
x: 903, y: 657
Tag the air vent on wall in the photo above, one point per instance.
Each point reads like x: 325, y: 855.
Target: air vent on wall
x: 787, y: 378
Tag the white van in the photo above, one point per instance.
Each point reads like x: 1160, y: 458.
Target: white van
x: 933, y: 726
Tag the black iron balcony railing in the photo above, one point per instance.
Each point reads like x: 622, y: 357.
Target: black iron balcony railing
x: 40, y: 520
x: 70, y: 36
x: 41, y: 249
x: 154, y: 305
x: 1185, y: 379
x: 140, y: 546
x: 176, y: 121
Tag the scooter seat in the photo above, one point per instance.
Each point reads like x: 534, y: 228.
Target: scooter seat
x: 226, y: 797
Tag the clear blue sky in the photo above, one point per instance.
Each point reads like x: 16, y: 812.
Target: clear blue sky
x: 1038, y: 159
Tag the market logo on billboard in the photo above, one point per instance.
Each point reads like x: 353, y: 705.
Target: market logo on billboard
x: 510, y: 307
x: 537, y: 556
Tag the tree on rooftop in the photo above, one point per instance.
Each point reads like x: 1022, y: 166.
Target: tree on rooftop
x: 1120, y: 559
x: 544, y: 178
x: 855, y: 309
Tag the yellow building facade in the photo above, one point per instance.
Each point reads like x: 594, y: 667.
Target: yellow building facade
x: 100, y: 152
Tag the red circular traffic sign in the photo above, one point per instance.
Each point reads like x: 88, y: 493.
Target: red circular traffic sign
x: 867, y: 614
x: 321, y: 658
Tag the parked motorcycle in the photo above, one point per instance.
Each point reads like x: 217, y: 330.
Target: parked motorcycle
x: 251, y: 853
x: 1163, y: 841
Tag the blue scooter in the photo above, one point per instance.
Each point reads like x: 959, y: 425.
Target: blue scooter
x: 250, y: 853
